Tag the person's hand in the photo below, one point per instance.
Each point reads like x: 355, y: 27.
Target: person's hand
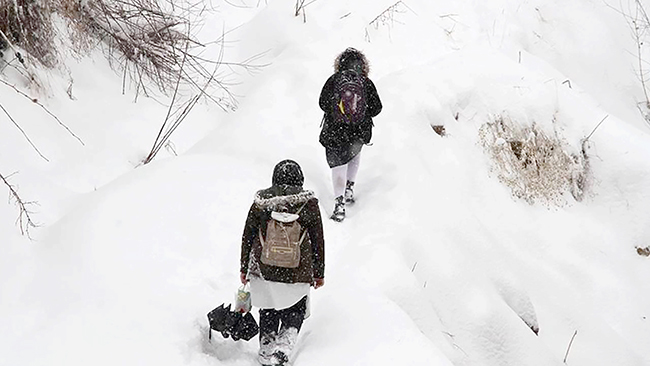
x: 242, y: 278
x: 318, y: 282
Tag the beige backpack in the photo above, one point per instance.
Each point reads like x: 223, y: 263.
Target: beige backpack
x: 284, y: 234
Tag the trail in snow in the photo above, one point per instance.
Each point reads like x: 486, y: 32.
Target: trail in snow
x: 435, y: 263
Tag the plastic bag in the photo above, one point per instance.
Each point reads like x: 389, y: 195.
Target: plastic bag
x: 243, y: 299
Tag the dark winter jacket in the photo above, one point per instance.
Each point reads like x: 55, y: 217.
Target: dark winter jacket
x: 284, y: 197
x: 338, y: 135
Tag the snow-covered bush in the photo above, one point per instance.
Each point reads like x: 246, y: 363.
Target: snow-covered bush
x: 28, y: 24
x: 536, y: 167
x: 150, y: 41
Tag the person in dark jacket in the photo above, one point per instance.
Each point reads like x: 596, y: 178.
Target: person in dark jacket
x: 343, y: 142
x: 282, y: 293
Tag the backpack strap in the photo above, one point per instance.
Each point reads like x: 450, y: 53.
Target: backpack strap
x: 304, y: 233
x: 301, y: 207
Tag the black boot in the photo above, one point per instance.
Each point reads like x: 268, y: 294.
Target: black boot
x: 267, y: 348
x: 339, y: 209
x: 349, y: 192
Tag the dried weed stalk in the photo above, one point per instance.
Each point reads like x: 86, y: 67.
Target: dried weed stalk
x: 300, y: 8
x: 387, y: 17
x: 536, y: 167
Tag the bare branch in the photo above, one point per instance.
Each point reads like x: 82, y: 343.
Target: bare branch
x: 34, y: 100
x: 162, y: 128
x: 24, y: 220
x: 388, y: 14
x: 387, y: 17
x: 569, y: 348
x: 23, y: 132
x: 595, y: 128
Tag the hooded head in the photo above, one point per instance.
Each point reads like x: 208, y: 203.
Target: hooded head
x: 286, y: 189
x: 352, y: 59
x: 287, y: 173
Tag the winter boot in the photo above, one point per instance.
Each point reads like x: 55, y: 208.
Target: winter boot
x: 349, y: 192
x: 267, y: 348
x: 339, y: 209
x: 284, y: 345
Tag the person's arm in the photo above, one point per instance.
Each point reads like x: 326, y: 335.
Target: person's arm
x: 374, y: 103
x: 250, y: 231
x: 325, y: 100
x: 315, y: 229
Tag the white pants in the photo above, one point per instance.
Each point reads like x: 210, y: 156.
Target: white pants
x: 343, y: 173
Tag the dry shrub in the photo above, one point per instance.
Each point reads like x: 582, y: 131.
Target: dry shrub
x: 536, y: 167
x: 150, y: 42
x: 28, y: 24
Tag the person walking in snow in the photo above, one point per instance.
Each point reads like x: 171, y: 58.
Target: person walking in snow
x: 282, y: 255
x: 350, y: 101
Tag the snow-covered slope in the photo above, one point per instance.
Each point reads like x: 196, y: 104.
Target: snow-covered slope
x: 436, y: 264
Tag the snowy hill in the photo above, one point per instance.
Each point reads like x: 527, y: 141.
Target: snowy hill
x: 436, y: 264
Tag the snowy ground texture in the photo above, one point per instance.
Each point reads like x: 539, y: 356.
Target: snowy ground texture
x: 436, y: 264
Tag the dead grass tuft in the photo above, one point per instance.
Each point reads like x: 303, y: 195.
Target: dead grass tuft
x: 536, y: 167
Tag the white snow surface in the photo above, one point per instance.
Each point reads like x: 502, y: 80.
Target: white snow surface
x: 436, y: 263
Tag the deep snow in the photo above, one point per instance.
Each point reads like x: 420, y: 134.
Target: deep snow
x: 436, y: 263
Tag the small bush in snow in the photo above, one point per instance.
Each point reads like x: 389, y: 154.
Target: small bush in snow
x: 536, y: 167
x: 145, y: 39
x: 148, y: 41
x: 28, y: 23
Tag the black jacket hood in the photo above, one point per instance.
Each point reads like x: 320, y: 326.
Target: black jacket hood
x: 354, y: 59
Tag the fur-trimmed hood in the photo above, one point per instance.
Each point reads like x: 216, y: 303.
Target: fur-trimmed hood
x: 348, y: 58
x: 265, y: 199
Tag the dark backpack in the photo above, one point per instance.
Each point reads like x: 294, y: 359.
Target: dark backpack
x: 350, y: 98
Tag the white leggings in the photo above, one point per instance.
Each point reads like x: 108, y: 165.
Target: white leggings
x: 343, y: 173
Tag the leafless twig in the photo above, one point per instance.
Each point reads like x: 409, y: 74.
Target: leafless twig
x: 34, y: 100
x: 569, y: 348
x: 300, y: 7
x: 24, y: 221
x: 176, y: 116
x: 23, y: 133
x: 387, y: 17
x: 595, y: 128
x: 639, y: 23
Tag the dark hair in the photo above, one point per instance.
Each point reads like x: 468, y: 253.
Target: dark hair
x: 287, y: 172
